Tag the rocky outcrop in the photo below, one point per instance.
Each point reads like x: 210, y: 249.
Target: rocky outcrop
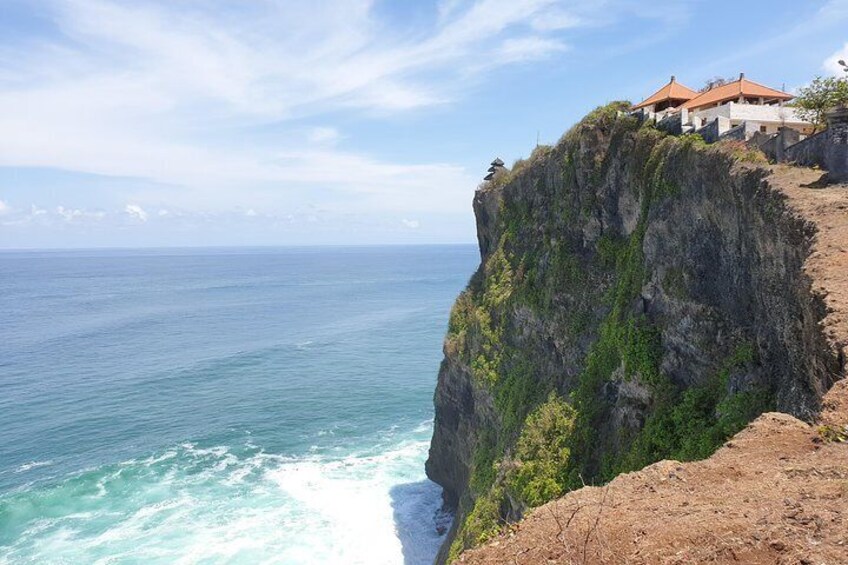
x: 639, y: 297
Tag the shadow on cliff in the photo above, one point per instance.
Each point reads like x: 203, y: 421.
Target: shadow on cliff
x: 420, y: 522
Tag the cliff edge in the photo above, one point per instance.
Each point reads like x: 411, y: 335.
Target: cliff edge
x: 640, y: 298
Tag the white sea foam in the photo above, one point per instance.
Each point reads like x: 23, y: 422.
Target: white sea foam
x: 32, y: 465
x: 160, y: 458
x: 193, y: 504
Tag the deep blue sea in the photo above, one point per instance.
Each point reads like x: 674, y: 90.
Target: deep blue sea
x: 222, y: 406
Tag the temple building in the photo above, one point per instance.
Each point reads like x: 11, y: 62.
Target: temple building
x: 742, y: 109
x: 670, y: 96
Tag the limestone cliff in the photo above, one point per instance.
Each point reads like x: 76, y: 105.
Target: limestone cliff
x: 640, y: 297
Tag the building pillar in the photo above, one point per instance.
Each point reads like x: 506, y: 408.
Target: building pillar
x: 836, y: 147
x: 786, y: 137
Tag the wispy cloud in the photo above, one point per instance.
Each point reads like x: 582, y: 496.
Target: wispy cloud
x: 145, y: 89
x: 529, y: 48
x: 153, y: 90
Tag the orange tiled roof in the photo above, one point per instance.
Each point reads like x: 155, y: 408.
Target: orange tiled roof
x: 671, y: 91
x: 732, y: 91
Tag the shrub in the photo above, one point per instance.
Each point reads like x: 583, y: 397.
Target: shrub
x: 482, y: 523
x: 461, y: 318
x: 741, y: 151
x: 542, y: 452
x: 693, y: 424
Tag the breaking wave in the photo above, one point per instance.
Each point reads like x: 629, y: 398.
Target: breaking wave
x: 191, y: 503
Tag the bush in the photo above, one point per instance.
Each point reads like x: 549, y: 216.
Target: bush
x: 741, y: 151
x: 482, y: 523
x: 542, y: 452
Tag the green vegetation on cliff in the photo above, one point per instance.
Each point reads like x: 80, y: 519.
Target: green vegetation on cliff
x: 542, y: 452
x: 553, y: 434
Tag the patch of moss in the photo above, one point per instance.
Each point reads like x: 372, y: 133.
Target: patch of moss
x: 482, y: 523
x: 674, y: 282
x: 517, y: 392
x: 833, y: 433
x: 484, y: 470
x: 692, y: 424
x: 610, y: 250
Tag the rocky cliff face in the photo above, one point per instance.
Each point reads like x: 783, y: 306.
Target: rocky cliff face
x: 639, y: 297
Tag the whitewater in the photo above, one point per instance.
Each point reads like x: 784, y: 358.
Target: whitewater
x: 222, y: 406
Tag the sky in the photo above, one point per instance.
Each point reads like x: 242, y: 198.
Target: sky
x: 334, y: 122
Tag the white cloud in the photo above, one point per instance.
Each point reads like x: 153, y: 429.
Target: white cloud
x: 831, y: 64
x: 529, y: 48
x: 324, y: 136
x: 69, y: 214
x: 556, y: 20
x: 159, y: 88
x: 411, y: 224
x: 155, y: 90
x: 251, y: 213
x: 137, y: 212
x: 4, y: 208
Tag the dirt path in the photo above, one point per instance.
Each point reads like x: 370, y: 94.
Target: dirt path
x: 828, y: 264
x: 777, y: 492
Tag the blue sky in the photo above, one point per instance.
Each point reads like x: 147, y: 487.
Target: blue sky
x: 207, y: 122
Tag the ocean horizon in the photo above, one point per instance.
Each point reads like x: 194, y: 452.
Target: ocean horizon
x: 222, y: 405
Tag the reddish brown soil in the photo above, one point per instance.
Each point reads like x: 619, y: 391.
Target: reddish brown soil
x: 777, y: 492
x: 828, y: 264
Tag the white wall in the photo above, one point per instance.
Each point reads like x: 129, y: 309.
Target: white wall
x: 771, y: 116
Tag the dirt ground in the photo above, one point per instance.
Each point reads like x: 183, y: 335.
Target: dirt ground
x: 776, y: 493
x: 827, y: 207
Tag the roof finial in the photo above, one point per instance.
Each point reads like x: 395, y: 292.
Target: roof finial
x: 741, y: 76
x: 672, y: 78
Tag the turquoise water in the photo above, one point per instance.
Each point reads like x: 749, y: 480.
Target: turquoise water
x: 221, y: 406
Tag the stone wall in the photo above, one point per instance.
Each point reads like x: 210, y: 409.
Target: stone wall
x: 672, y: 124
x: 809, y: 152
x: 827, y: 149
x: 775, y: 146
x: 742, y: 132
x: 836, y: 148
x: 710, y: 132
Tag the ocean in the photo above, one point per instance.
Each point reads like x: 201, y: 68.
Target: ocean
x: 222, y: 405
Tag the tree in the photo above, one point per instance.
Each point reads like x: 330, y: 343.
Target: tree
x: 715, y: 82
x: 820, y: 96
